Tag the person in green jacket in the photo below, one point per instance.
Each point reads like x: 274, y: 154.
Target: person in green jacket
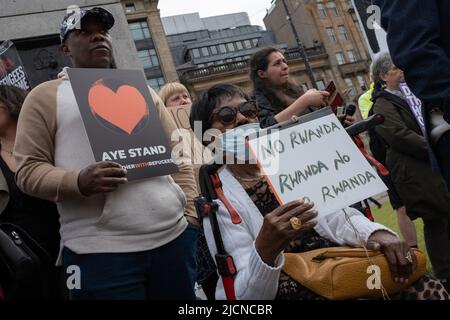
x: 365, y: 102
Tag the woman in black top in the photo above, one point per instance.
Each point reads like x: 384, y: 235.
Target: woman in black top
x: 39, y: 218
x: 278, y: 98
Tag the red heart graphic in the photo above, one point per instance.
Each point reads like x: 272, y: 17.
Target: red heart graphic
x: 124, y: 108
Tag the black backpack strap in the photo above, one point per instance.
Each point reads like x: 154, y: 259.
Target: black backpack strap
x: 206, y: 206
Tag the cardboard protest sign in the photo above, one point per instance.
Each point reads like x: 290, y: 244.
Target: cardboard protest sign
x: 12, y: 72
x: 181, y: 116
x: 121, y: 121
x: 315, y: 160
x: 192, y: 150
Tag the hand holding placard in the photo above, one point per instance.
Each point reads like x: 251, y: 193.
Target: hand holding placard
x: 101, y: 177
x: 277, y: 232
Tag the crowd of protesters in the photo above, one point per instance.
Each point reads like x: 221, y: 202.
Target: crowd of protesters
x: 144, y: 240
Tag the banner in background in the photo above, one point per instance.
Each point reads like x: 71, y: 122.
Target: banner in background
x: 368, y: 18
x: 12, y: 72
x: 415, y: 105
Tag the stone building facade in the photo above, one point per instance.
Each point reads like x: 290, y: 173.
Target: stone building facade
x: 333, y: 25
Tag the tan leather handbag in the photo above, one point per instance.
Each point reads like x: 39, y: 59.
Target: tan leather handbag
x: 340, y: 273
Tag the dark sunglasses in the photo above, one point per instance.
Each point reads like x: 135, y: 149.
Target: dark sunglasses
x: 227, y: 115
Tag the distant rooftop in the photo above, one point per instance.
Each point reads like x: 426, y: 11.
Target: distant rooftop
x: 192, y: 22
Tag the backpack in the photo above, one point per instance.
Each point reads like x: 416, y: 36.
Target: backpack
x: 377, y: 144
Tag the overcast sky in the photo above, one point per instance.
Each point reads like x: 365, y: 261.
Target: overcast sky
x: 256, y: 9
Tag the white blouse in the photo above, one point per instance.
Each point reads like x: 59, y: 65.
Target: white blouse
x: 255, y: 280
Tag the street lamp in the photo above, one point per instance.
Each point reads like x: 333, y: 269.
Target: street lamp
x: 300, y: 47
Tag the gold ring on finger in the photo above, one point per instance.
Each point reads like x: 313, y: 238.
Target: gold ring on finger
x: 296, y: 223
x: 409, y: 257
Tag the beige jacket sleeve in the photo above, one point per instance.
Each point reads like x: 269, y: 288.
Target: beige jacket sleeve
x: 185, y: 177
x: 36, y: 174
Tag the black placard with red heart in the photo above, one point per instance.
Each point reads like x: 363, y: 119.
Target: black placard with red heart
x: 121, y: 121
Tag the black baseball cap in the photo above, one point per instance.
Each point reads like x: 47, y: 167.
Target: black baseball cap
x: 72, y: 20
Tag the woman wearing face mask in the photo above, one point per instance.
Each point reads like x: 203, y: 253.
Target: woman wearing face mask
x: 256, y: 244
x: 423, y: 191
x: 277, y: 97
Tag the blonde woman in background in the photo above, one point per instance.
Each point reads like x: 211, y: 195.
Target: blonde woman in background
x: 175, y: 94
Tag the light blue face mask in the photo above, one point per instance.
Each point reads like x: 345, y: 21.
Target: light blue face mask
x: 233, y: 141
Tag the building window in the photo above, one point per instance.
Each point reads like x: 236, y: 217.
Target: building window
x: 362, y: 83
x: 333, y: 8
x: 196, y: 53
x: 129, y: 8
x: 320, y: 85
x: 156, y: 83
x: 247, y: 44
x: 331, y: 36
x: 139, y: 30
x: 340, y: 58
x: 322, y: 10
x: 239, y: 45
x: 149, y: 58
x: 213, y: 49
x: 205, y: 52
x: 343, y: 33
x: 350, y: 86
x: 230, y: 47
x: 255, y: 42
x: 351, y: 55
x: 222, y: 48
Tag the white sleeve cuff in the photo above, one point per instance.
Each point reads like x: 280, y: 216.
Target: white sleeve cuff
x: 262, y: 268
x: 336, y: 227
x: 261, y: 279
x: 366, y: 227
